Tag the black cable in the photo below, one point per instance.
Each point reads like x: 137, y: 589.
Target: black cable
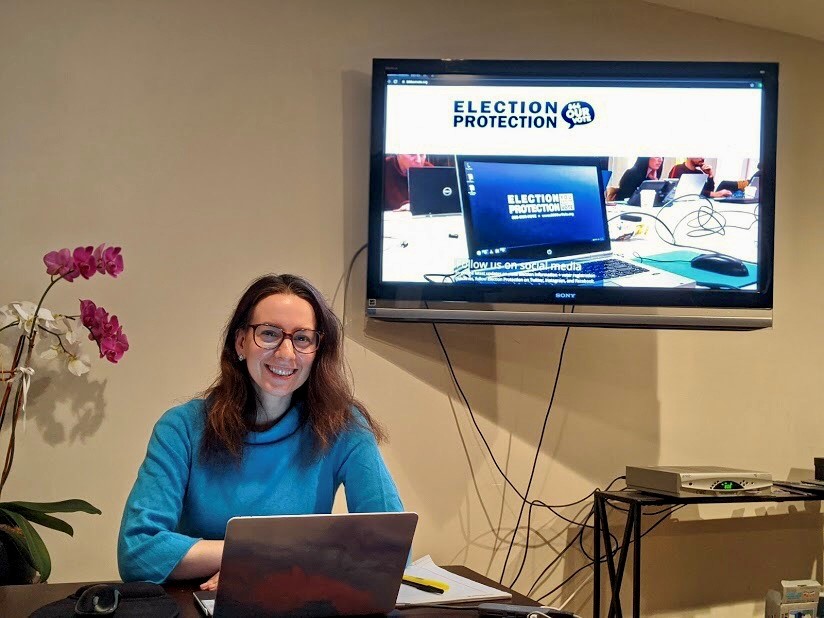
x: 591, y: 563
x: 472, y: 414
x: 579, y: 537
x: 563, y: 583
x: 535, y: 463
x: 672, y: 241
x: 555, y: 560
x: 523, y: 497
x: 489, y: 449
x: 346, y: 285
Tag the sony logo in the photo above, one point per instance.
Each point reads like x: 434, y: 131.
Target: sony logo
x: 565, y: 295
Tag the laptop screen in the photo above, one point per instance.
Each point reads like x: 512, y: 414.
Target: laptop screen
x: 534, y: 209
x: 433, y: 191
x: 690, y: 185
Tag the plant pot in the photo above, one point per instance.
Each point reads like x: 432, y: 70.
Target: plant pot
x: 13, y: 566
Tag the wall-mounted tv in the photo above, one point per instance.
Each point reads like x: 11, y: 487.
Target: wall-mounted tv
x: 623, y: 184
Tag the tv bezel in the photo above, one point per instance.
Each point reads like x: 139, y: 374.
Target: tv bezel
x: 382, y: 293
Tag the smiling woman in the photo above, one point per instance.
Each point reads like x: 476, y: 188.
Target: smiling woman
x: 278, y: 368
x: 277, y: 433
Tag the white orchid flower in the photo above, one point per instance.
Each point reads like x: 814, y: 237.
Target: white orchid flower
x: 24, y: 311
x: 77, y: 362
x: 78, y: 365
x: 53, y: 352
x: 75, y: 331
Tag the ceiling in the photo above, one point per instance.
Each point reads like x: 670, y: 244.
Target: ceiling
x: 800, y: 17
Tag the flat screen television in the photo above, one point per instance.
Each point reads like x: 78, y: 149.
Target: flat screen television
x: 614, y: 184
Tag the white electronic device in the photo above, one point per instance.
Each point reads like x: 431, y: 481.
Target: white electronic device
x: 682, y: 481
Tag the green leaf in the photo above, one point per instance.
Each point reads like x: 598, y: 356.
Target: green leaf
x: 40, y: 518
x: 64, y: 506
x: 40, y: 555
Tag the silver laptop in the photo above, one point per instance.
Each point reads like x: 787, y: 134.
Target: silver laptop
x: 689, y: 185
x: 311, y: 565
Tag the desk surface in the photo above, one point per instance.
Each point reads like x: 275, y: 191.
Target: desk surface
x: 23, y: 600
x: 417, y: 249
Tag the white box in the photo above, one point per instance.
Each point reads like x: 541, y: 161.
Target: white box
x: 776, y: 609
x: 800, y: 591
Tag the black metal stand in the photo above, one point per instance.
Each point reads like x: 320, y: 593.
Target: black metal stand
x: 636, y: 502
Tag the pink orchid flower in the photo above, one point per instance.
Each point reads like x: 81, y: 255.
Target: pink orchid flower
x: 113, y: 347
x: 61, y: 263
x: 109, y: 260
x: 104, y: 330
x: 85, y: 261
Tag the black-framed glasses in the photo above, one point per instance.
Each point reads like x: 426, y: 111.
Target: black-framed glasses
x: 269, y: 337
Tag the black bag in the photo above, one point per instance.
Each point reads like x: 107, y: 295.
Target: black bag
x: 137, y: 599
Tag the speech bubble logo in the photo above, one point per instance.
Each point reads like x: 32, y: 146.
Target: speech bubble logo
x: 578, y: 113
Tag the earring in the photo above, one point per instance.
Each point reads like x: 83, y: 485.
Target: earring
x: 240, y: 357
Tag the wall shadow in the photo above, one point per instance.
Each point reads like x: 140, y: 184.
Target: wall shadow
x: 53, y: 389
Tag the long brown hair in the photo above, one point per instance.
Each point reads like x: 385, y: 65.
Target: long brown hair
x: 327, y: 397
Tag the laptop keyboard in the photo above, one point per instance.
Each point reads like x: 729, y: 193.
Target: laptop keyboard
x: 591, y: 271
x: 611, y: 268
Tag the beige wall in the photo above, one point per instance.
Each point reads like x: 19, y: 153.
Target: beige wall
x: 204, y: 137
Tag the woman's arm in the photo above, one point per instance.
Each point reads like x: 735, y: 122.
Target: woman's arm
x: 202, y: 560
x: 366, y: 479
x: 149, y: 545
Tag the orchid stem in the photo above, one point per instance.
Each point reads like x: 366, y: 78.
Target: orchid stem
x: 10, y: 325
x: 40, y: 304
x: 59, y: 339
x: 18, y: 352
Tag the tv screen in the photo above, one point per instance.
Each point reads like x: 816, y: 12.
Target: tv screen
x: 644, y: 184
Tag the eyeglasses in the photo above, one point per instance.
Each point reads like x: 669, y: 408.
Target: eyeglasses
x: 269, y: 337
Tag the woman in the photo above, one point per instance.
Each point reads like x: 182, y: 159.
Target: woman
x: 645, y: 168
x: 277, y: 433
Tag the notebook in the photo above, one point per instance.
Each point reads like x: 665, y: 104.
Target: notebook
x: 461, y: 589
x: 311, y: 565
x: 528, y: 218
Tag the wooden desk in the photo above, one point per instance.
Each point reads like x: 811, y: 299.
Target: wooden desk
x: 20, y: 601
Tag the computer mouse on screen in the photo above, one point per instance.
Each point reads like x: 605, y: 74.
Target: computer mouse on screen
x: 720, y: 264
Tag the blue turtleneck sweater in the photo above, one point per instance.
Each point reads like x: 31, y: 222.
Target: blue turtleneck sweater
x: 178, y: 500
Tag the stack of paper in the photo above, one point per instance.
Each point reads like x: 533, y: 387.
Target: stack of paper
x: 460, y: 589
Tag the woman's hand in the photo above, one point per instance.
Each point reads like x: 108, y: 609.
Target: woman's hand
x: 211, y: 583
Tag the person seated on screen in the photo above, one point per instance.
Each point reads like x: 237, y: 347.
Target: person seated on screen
x: 277, y: 433
x: 696, y: 165
x: 395, y: 181
x: 645, y: 168
x: 757, y: 172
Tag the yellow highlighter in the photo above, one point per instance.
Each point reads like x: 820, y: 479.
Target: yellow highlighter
x: 427, y: 585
